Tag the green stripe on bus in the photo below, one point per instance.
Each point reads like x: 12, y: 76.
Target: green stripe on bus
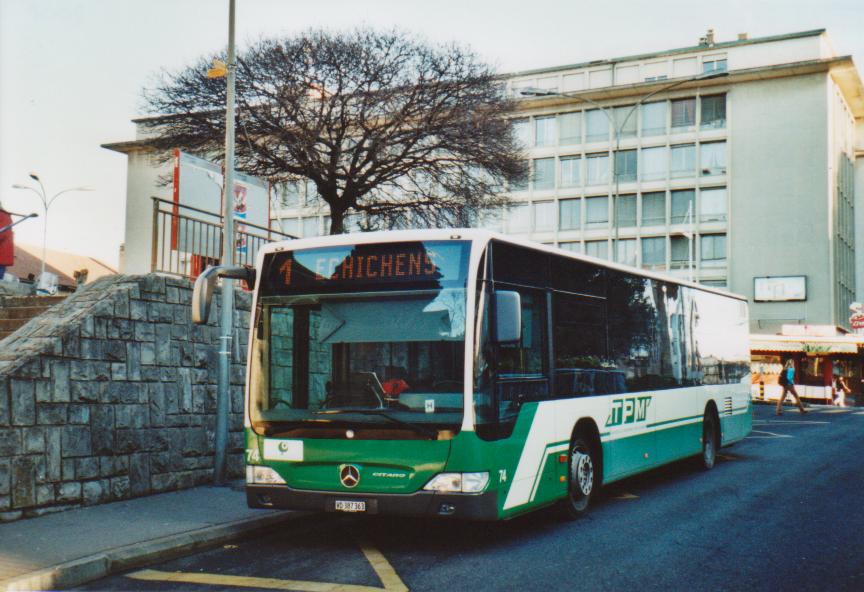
x: 659, y: 423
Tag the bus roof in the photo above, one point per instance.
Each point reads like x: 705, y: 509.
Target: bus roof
x: 475, y: 235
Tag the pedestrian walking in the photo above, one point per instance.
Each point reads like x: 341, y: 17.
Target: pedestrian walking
x: 7, y: 249
x: 787, y: 381
x: 841, y: 389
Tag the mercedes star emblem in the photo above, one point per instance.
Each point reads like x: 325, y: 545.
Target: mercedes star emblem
x: 349, y: 475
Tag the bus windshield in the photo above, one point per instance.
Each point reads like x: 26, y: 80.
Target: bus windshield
x: 379, y: 356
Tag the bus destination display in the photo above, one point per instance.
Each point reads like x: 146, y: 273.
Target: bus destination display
x: 429, y: 264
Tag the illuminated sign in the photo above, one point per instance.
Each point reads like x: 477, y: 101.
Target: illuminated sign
x: 857, y: 318
x: 429, y: 264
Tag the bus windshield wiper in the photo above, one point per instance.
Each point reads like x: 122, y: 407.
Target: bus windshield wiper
x: 423, y: 430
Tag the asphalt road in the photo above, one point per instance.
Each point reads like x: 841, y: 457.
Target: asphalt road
x: 783, y: 510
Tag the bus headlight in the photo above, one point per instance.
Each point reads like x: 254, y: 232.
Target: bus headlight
x: 458, y: 482
x: 263, y: 475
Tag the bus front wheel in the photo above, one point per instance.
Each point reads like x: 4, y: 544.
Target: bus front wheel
x: 582, y: 479
x: 710, y: 439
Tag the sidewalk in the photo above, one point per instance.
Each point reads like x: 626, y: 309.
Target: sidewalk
x: 69, y: 548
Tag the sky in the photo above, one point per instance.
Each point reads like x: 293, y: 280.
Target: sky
x: 72, y: 71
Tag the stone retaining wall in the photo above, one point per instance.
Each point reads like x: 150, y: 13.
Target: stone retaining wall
x: 112, y: 394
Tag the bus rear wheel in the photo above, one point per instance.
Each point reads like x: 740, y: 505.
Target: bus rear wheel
x: 710, y: 439
x: 582, y: 477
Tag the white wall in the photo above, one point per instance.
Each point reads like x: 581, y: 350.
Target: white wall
x: 779, y: 222
x: 142, y: 183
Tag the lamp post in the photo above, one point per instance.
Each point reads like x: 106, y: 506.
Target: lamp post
x: 618, y: 129
x: 46, y: 204
x: 226, y: 319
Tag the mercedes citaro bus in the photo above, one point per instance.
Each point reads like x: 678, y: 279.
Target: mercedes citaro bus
x: 464, y: 373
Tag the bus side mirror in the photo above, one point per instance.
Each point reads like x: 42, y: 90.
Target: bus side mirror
x: 508, y: 317
x: 205, y: 285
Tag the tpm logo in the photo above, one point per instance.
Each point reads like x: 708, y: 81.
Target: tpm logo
x: 629, y: 410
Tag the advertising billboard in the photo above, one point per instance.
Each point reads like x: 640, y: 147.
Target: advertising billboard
x: 198, y: 195
x: 780, y: 288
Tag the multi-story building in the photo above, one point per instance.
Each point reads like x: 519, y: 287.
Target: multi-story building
x: 725, y: 162
x: 733, y: 163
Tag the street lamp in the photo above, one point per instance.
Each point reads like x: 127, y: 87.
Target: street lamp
x: 618, y: 130
x: 46, y: 203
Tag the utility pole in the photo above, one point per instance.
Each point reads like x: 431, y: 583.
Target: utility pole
x: 226, y: 322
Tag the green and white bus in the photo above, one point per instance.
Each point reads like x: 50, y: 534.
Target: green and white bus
x: 464, y: 373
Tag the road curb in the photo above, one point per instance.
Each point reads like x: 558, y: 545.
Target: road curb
x: 100, y: 565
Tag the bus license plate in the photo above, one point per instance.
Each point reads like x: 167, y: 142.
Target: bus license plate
x: 346, y: 506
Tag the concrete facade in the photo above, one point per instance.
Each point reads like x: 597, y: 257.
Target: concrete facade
x: 792, y: 187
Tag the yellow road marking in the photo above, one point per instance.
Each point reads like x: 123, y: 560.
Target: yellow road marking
x: 392, y: 582
x: 727, y: 457
x: 626, y: 496
x: 246, y: 582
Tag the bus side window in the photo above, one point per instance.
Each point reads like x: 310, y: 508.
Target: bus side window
x: 526, y: 356
x: 581, y: 364
x: 521, y: 367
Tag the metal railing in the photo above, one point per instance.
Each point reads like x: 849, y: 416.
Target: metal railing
x: 186, y: 239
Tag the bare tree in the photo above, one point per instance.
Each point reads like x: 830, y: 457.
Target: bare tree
x: 381, y: 123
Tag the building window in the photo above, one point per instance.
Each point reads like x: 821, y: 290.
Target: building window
x: 596, y: 126
x: 311, y: 226
x: 683, y: 207
x: 654, y: 252
x: 574, y: 246
x: 654, y: 119
x: 598, y: 248
x: 712, y: 205
x: 491, y: 219
x: 571, y: 171
x: 570, y: 214
x: 625, y: 165
x: 714, y: 112
x: 683, y: 114
x: 714, y: 64
x: 289, y: 195
x: 654, y: 163
x: 570, y: 128
x: 682, y: 162
x: 522, y: 131
x: 597, y: 211
x: 544, y: 215
x: 625, y: 121
x: 544, y: 131
x: 626, y: 213
x: 654, y: 208
x: 625, y: 251
x: 519, y: 218
x: 520, y: 185
x: 679, y: 252
x: 353, y: 223
x: 544, y: 173
x: 598, y: 168
x: 713, y: 158
x: 311, y: 193
x: 291, y: 226
x: 712, y: 250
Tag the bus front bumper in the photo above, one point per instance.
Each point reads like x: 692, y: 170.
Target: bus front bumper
x: 477, y: 506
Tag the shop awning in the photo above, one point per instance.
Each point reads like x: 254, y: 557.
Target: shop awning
x: 810, y: 346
